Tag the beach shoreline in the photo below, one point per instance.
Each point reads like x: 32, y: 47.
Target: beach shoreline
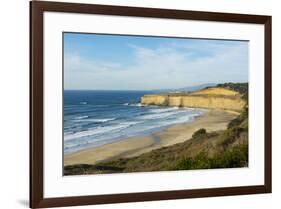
x: 213, y: 120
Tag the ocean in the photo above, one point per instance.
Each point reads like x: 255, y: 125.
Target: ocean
x: 94, y: 118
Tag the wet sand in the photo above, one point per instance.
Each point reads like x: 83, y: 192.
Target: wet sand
x: 213, y: 120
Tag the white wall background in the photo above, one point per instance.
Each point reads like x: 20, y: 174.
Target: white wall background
x: 14, y: 103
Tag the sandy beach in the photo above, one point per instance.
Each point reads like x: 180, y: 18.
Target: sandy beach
x: 213, y: 120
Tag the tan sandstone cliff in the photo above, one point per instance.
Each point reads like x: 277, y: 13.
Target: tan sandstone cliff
x: 219, y: 98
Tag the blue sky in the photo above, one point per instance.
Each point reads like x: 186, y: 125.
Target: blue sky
x: 114, y: 62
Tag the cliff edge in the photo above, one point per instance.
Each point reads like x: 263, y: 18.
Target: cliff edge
x: 214, y: 97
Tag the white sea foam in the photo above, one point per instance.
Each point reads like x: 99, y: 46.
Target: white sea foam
x: 94, y: 120
x: 138, y: 105
x: 101, y: 120
x: 81, y: 117
x: 98, y: 130
x: 157, y: 115
x: 83, y: 103
x: 151, y: 119
x: 185, y: 118
x: 176, y: 120
x: 166, y: 109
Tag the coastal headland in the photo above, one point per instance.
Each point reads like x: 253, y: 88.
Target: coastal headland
x: 211, y: 98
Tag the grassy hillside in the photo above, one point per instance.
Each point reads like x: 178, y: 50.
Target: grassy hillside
x: 242, y: 88
x: 221, y: 149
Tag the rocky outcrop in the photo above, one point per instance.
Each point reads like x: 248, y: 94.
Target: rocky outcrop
x: 218, y: 98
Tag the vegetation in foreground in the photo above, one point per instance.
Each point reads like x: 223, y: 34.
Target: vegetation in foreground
x: 220, y: 149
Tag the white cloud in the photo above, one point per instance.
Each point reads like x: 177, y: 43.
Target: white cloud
x: 167, y: 66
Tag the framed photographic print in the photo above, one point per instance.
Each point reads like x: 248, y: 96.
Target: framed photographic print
x: 139, y: 104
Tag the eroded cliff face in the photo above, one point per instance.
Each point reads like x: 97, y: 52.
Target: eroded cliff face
x: 217, y: 98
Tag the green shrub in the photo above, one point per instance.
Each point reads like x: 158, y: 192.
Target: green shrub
x: 239, y: 119
x: 235, y: 122
x: 233, y: 158
x: 184, y: 164
x: 244, y: 125
x: 229, y: 136
x: 199, y: 132
x: 244, y: 114
x: 200, y: 161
